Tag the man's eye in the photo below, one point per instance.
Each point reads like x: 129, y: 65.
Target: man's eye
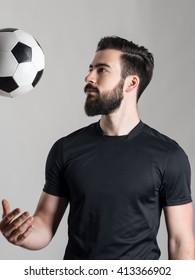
x: 101, y: 70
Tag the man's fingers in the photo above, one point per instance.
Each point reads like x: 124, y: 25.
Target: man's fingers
x: 9, y: 217
x: 4, y: 223
x: 25, y: 234
x: 6, y: 207
x: 15, y: 224
x: 20, y: 233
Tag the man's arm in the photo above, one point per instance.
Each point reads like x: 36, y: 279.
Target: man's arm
x: 34, y: 232
x: 179, y: 221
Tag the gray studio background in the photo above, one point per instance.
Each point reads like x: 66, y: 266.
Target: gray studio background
x: 68, y: 32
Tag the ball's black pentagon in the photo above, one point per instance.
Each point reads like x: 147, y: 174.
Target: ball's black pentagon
x: 37, y: 78
x: 8, y: 84
x: 8, y: 29
x: 22, y: 52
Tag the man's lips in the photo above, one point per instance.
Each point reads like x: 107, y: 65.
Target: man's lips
x: 90, y: 90
x: 92, y: 94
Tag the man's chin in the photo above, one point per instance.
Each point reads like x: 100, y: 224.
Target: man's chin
x: 91, y: 112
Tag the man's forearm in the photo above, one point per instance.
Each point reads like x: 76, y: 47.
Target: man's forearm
x: 39, y: 237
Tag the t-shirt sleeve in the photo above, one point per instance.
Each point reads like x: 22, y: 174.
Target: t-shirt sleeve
x: 55, y: 183
x: 176, y: 178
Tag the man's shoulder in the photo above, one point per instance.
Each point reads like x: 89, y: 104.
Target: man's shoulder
x: 163, y: 143
x: 75, y: 139
x: 79, y: 134
x: 83, y: 131
x: 158, y: 136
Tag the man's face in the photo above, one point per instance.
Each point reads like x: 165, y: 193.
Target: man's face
x: 104, y: 86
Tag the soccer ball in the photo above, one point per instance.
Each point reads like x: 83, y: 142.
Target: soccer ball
x: 21, y: 62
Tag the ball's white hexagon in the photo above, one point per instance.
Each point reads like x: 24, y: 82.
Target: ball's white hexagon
x: 25, y: 74
x: 7, y: 41
x: 25, y: 38
x: 38, y: 58
x: 21, y: 90
x: 8, y: 64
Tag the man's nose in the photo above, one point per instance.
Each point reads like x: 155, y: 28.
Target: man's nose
x: 90, y: 78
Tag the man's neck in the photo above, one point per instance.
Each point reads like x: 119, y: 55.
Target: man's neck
x: 118, y: 124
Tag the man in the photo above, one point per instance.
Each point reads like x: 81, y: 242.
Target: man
x: 117, y: 174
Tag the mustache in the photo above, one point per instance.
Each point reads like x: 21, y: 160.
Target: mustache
x: 90, y: 87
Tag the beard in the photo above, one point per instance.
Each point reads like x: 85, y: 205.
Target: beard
x: 103, y: 103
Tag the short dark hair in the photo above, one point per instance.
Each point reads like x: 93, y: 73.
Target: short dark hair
x: 135, y: 60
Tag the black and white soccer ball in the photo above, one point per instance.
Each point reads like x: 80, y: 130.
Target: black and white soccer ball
x: 22, y: 62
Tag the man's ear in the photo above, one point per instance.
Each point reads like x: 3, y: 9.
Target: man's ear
x: 131, y: 83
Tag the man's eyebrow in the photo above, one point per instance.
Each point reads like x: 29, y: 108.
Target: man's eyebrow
x: 99, y: 65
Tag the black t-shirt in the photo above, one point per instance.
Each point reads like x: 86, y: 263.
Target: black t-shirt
x: 117, y: 186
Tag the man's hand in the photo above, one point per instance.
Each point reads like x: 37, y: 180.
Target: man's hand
x: 33, y: 232
x: 13, y: 226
